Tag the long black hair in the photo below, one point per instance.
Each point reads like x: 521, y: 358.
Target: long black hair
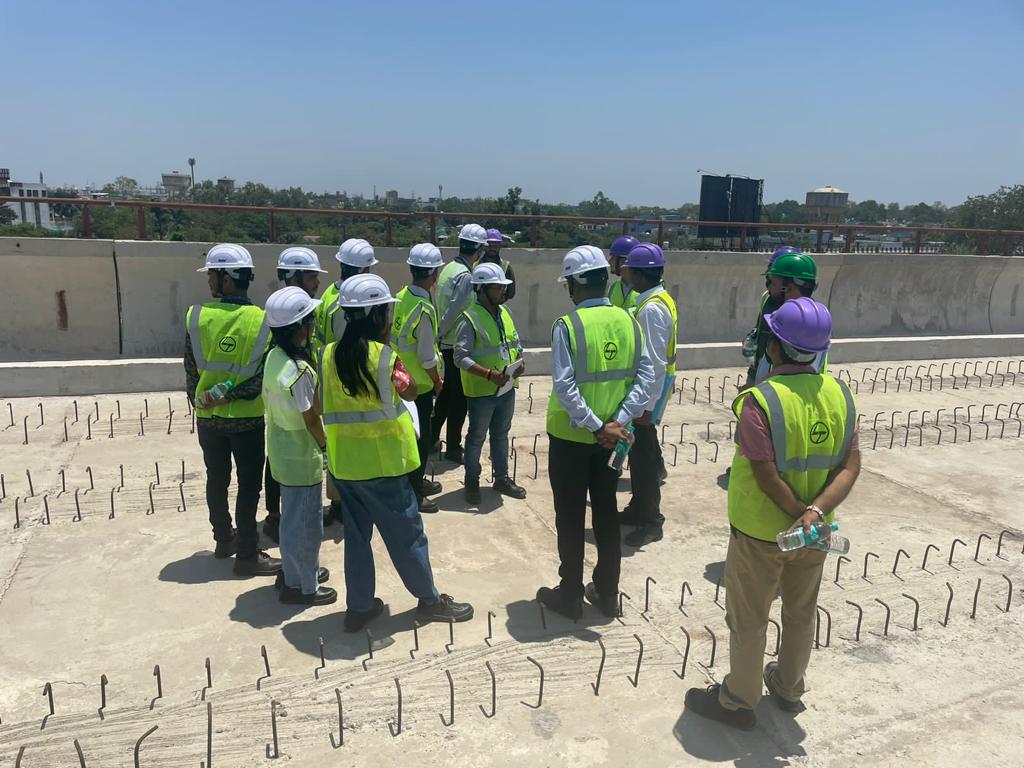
x: 352, y: 351
x: 285, y: 339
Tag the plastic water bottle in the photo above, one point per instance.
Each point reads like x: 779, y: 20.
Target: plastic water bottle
x: 796, y: 538
x: 750, y: 345
x: 621, y: 451
x: 220, y: 389
x: 835, y: 545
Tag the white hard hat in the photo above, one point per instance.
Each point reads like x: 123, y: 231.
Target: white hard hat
x: 289, y: 305
x: 356, y: 252
x: 298, y: 258
x: 489, y: 274
x: 228, y: 256
x: 474, y: 233
x: 364, y: 290
x: 425, y: 255
x: 580, y: 259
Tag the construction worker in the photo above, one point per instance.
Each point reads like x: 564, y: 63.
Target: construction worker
x: 601, y: 381
x: 790, y: 276
x: 492, y: 253
x: 489, y: 356
x: 225, y: 343
x: 414, y: 334
x: 296, y: 444
x: 298, y: 267
x: 371, y: 449
x: 755, y: 341
x: 454, y: 295
x: 356, y: 257
x: 620, y: 294
x: 796, y: 461
x: 656, y: 313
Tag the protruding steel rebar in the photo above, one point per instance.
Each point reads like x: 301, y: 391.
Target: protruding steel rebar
x: 778, y: 634
x: 977, y: 548
x: 152, y: 505
x: 78, y: 509
x: 490, y: 633
x: 156, y: 467
x: 494, y: 693
x: 17, y: 514
x: 46, y: 510
x: 209, y: 679
x: 31, y: 489
x: 952, y: 549
x: 323, y: 661
x: 266, y: 667
x: 1009, y: 593
x: 103, y: 695
x: 681, y: 674
x: 92, y: 484
x: 540, y: 695
x: 949, y: 603
x: 451, y: 637
x: 600, y: 670
x: 48, y: 693
x: 451, y: 701
x: 112, y: 492
x: 635, y: 679
x: 81, y: 756
x: 999, y: 544
x: 682, y: 596
x: 718, y: 588
x: 273, y: 754
x: 138, y: 744
x: 543, y: 616
x: 866, y: 556
x: 396, y: 728
x: 817, y: 626
x: 839, y: 564
x: 142, y: 426
x: 341, y: 723
x: 917, y: 608
x: 181, y: 492
x: 159, y: 686
x: 621, y: 596
x: 924, y: 561
x: 647, y: 595
x: 25, y: 441
x: 369, y: 648
x: 896, y: 562
x: 888, y: 613
x: 209, y: 737
x: 714, y: 645
x: 974, y: 606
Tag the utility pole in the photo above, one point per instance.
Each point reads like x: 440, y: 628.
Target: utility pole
x: 192, y: 170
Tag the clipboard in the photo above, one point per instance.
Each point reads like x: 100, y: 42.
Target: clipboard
x: 510, y: 370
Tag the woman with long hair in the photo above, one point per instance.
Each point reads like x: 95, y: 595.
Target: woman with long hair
x: 295, y: 445
x: 371, y: 449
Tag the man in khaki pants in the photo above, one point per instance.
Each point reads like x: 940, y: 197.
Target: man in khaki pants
x: 796, y: 461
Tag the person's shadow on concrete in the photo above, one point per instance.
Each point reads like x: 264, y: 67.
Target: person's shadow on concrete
x: 341, y: 645
x: 455, y: 501
x: 261, y: 607
x: 524, y: 623
x: 199, y: 568
x: 718, y: 743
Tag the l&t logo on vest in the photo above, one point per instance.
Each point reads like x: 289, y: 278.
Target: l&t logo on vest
x: 611, y: 350
x: 819, y: 432
x: 227, y: 344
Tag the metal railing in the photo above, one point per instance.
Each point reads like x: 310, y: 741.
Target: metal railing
x: 743, y: 236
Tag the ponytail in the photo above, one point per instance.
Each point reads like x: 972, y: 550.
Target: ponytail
x: 352, y: 351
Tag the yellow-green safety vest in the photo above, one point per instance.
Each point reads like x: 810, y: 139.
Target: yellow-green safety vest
x: 410, y: 313
x: 330, y: 320
x: 488, y: 349
x: 294, y: 456
x: 444, y: 294
x: 621, y: 296
x: 664, y: 298
x: 228, y: 343
x: 812, y: 420
x: 606, y: 344
x: 367, y: 437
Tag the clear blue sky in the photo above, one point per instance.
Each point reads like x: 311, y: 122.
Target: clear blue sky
x: 904, y: 100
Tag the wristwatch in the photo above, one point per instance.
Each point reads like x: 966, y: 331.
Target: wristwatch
x: 817, y: 511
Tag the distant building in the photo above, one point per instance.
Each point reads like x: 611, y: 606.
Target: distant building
x: 175, y: 183
x: 827, y: 204
x: 226, y: 184
x: 27, y: 211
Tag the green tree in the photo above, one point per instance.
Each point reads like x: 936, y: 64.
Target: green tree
x: 7, y: 215
x: 122, y: 186
x: 599, y: 205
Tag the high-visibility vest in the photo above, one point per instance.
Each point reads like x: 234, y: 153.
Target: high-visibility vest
x: 812, y: 420
x: 664, y: 298
x: 492, y: 348
x: 367, y: 437
x: 606, y: 344
x: 445, y: 288
x: 411, y: 312
x: 294, y: 456
x: 622, y: 296
x: 228, y: 343
x: 330, y: 320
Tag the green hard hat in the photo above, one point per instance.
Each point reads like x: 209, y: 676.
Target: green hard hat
x: 799, y: 266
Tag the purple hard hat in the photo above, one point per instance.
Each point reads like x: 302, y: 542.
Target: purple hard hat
x: 493, y: 235
x: 782, y: 252
x: 645, y: 256
x: 803, y: 323
x: 623, y: 245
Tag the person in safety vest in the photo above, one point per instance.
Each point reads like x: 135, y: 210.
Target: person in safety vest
x: 454, y: 295
x: 489, y: 356
x: 797, y: 459
x: 601, y: 380
x: 656, y: 313
x: 492, y: 254
x: 371, y: 449
x: 298, y: 267
x: 619, y: 292
x: 356, y: 257
x: 789, y: 277
x: 225, y: 343
x: 296, y: 445
x: 414, y: 334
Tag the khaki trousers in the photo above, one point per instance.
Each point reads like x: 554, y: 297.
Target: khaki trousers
x: 754, y: 572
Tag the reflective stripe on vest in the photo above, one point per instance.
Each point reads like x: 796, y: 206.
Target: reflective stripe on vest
x: 410, y: 311
x: 227, y: 344
x: 665, y: 299
x: 386, y: 411
x: 488, y: 351
x: 444, y: 295
x: 581, y: 363
x: 236, y: 368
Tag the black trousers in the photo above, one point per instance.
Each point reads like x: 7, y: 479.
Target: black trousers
x: 576, y: 470
x: 271, y: 492
x: 645, y: 463
x: 425, y: 410
x: 247, y: 450
x: 451, y: 404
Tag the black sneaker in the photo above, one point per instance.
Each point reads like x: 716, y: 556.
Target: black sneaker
x: 322, y: 575
x: 322, y: 596
x: 606, y: 604
x: 560, y: 601
x: 786, y: 705
x: 645, y: 534
x: 472, y: 493
x: 507, y: 487
x: 454, y: 455
x: 429, y: 507
x: 704, y: 702
x: 272, y: 528
x: 260, y: 565
x: 431, y: 487
x: 629, y: 516
x: 356, y: 620
x: 226, y: 549
x: 445, y: 609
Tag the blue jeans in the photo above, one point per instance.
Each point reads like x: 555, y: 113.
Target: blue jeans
x: 493, y: 414
x: 390, y: 504
x: 302, y: 529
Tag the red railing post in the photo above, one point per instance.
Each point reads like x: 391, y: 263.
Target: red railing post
x: 851, y: 238
x: 743, y: 238
x: 142, y: 223
x: 432, y: 223
x: 918, y: 237
x: 661, y: 235
x: 625, y: 226
x: 533, y: 233
x: 86, y: 222
x: 273, y: 228
x: 387, y: 236
x: 821, y: 237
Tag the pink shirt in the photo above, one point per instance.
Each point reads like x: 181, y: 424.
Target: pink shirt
x: 755, y: 435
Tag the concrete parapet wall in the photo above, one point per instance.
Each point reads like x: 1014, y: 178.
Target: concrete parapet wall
x: 128, y: 298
